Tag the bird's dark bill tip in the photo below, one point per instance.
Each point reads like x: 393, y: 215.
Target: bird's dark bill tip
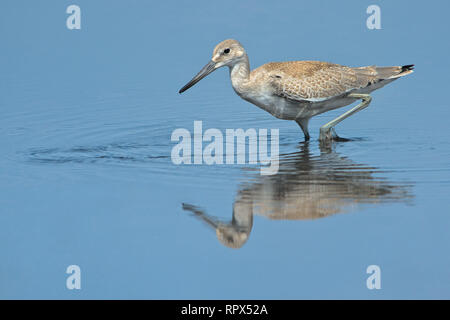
x: 182, y: 90
x: 188, y: 85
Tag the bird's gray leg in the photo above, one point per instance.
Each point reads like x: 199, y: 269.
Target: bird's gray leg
x: 303, y: 123
x: 327, y: 131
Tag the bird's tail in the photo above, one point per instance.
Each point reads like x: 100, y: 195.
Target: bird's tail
x: 394, y: 72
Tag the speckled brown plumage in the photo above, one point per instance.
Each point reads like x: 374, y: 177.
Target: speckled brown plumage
x: 311, y: 80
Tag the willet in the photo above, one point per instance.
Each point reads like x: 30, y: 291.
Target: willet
x: 299, y: 90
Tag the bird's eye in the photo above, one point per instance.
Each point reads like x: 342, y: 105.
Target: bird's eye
x: 226, y: 51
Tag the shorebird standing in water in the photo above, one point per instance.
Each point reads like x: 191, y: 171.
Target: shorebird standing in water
x: 299, y: 90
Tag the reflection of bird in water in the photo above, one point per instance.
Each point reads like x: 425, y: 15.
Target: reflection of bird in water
x: 306, y: 187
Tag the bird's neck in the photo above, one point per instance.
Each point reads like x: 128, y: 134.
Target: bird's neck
x: 240, y: 74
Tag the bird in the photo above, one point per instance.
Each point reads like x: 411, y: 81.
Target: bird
x: 300, y: 90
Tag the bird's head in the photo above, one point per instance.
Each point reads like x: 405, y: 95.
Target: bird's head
x: 231, y: 236
x: 227, y: 53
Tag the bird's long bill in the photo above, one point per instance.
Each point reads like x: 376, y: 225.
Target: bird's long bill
x: 210, y: 221
x: 210, y: 67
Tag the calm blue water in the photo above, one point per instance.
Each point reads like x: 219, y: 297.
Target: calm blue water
x: 86, y: 176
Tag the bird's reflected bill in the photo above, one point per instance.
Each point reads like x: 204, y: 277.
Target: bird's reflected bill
x: 210, y: 67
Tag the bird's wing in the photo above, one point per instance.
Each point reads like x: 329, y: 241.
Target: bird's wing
x: 310, y: 81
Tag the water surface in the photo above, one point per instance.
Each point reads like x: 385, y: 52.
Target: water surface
x: 86, y: 176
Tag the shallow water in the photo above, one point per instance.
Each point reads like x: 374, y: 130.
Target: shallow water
x: 87, y: 176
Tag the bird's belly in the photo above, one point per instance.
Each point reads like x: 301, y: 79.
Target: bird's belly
x: 280, y: 107
x: 285, y: 109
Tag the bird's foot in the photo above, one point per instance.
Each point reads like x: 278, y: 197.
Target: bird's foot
x: 329, y: 134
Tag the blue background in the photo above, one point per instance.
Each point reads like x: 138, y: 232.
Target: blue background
x: 86, y: 176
